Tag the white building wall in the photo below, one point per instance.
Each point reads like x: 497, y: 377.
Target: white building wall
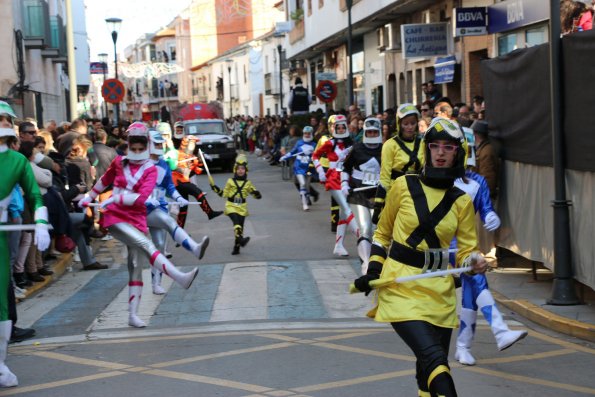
x: 81, y: 42
x: 373, y: 70
x: 256, y: 77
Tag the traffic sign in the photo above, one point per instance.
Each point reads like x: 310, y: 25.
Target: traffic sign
x: 326, y: 76
x: 326, y: 91
x: 113, y: 91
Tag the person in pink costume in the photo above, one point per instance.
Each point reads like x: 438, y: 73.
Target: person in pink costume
x: 133, y: 178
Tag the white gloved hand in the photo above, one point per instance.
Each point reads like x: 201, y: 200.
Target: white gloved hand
x: 107, y: 202
x: 307, y: 150
x: 321, y: 175
x: 182, y: 201
x: 85, y: 201
x: 42, y: 236
x: 345, y: 190
x: 492, y: 221
x: 285, y: 157
x: 153, y: 202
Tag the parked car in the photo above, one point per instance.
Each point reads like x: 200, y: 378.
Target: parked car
x: 214, y: 139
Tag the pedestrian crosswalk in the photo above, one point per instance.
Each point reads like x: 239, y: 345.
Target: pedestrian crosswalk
x: 222, y: 293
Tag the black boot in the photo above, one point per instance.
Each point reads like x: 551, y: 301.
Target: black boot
x: 21, y: 281
x: 206, y: 207
x: 244, y: 241
x: 236, y: 249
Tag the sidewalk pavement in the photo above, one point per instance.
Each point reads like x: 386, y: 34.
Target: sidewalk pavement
x: 521, y: 290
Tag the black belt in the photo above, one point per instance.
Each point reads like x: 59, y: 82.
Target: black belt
x: 236, y: 201
x: 395, y: 174
x: 409, y: 256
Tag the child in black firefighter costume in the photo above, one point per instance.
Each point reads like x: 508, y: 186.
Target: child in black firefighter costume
x: 236, y: 191
x: 421, y: 216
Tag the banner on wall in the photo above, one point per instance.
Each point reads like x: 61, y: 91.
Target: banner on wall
x: 444, y: 69
x: 420, y: 40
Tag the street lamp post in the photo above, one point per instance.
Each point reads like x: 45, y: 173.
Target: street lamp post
x: 279, y: 49
x: 113, y: 25
x: 349, y: 54
x: 229, y: 63
x: 103, y: 60
x: 563, y: 290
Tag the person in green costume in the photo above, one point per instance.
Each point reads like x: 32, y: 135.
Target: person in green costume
x: 17, y: 170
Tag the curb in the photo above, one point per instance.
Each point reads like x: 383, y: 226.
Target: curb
x: 547, y: 319
x: 59, y: 269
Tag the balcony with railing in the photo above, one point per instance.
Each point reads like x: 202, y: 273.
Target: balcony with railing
x: 271, y: 84
x: 298, y: 31
x: 36, y: 24
x: 57, y: 46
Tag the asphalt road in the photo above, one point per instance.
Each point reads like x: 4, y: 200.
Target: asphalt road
x: 275, y: 320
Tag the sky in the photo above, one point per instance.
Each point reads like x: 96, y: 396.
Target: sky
x: 138, y: 17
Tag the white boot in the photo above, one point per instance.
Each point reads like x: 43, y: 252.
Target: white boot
x: 7, y: 378
x: 161, y: 263
x: 198, y: 249
x: 364, y: 247
x: 339, y: 250
x: 156, y: 276
x: 304, y: 196
x: 465, y: 337
x: 135, y: 289
x: 505, y: 337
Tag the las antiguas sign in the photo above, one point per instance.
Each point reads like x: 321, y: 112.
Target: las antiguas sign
x: 424, y: 39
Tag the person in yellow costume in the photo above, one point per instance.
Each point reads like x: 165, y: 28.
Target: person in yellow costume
x: 324, y: 162
x: 422, y: 215
x: 400, y: 154
x: 236, y: 191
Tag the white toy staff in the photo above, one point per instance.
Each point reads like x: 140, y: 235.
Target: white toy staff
x: 204, y: 163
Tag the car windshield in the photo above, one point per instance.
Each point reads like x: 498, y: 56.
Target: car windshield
x: 205, y: 128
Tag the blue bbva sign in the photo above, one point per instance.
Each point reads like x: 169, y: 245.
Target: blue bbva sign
x: 513, y: 14
x: 470, y: 21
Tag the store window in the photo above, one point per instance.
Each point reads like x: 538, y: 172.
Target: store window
x: 536, y: 36
x: 507, y: 43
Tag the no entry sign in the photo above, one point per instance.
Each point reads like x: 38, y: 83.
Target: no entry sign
x: 113, y: 91
x: 326, y: 91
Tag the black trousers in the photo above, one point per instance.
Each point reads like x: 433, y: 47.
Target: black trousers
x: 430, y: 345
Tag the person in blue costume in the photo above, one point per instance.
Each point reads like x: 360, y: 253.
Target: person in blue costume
x: 476, y: 294
x: 302, y: 151
x: 158, y: 219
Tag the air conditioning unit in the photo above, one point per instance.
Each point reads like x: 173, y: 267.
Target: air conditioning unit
x: 394, y: 37
x: 382, y: 39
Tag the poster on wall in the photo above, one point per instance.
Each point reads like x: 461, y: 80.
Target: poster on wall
x: 444, y: 69
x: 424, y: 39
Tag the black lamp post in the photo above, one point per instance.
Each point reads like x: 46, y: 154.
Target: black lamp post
x: 349, y: 54
x: 563, y: 292
x: 113, y: 25
x: 103, y: 60
x: 229, y: 63
x: 279, y: 49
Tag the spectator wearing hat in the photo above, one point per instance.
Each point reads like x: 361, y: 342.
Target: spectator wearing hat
x: 299, y: 98
x: 485, y: 156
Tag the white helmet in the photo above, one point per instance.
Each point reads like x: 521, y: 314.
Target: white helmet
x: 155, y: 137
x: 164, y: 129
x: 309, y: 131
x: 405, y: 110
x: 138, y: 133
x: 6, y: 110
x: 340, y: 120
x: 178, y: 135
x: 372, y: 124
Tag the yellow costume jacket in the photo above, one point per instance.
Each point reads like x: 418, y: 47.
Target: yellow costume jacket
x: 431, y: 299
x: 236, y: 191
